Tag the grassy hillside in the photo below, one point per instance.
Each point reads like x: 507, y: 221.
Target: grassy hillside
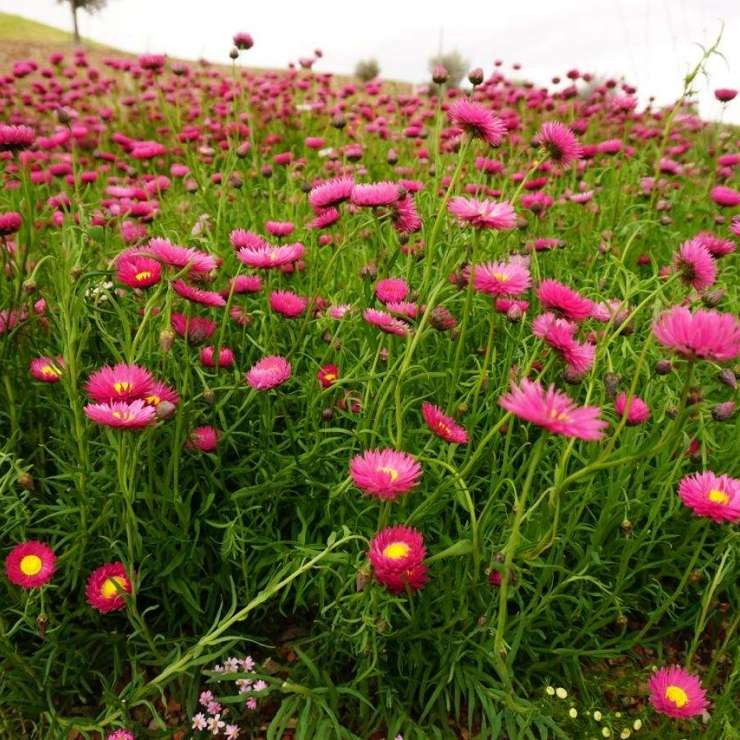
x: 14, y: 28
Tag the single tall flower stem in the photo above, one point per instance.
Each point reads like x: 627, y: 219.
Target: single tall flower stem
x: 467, y: 306
x: 509, y: 552
x: 431, y: 244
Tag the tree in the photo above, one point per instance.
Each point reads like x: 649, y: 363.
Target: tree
x: 91, y: 6
x: 455, y: 64
x: 367, y: 69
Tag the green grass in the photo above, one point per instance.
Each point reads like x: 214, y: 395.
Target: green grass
x: 18, y: 29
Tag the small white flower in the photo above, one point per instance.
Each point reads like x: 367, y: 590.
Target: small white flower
x: 606, y: 732
x: 572, y: 712
x: 637, y: 724
x: 597, y: 715
x: 549, y: 690
x: 561, y: 693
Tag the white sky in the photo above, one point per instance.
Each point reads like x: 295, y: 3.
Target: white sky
x: 651, y: 42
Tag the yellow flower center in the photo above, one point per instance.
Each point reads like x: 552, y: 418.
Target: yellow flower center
x: 143, y: 275
x: 503, y: 277
x: 50, y: 371
x: 122, y: 386
x: 153, y: 400
x: 389, y: 471
x: 330, y: 377
x: 718, y: 497
x: 677, y: 695
x: 31, y: 565
x: 396, y: 550
x: 558, y: 415
x: 110, y: 587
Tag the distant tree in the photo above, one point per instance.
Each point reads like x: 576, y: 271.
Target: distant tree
x: 91, y: 6
x: 454, y: 62
x: 367, y: 69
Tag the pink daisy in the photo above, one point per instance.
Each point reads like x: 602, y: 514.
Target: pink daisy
x: 385, y: 322
x: 477, y: 120
x: 195, y: 329
x: 181, y: 257
x: 406, y: 219
x: 374, y: 194
x: 397, y: 557
x: 267, y: 256
x: 445, y: 427
x: 502, y: 278
x: 331, y: 193
x: 30, y: 564
x: 560, y: 142
x: 714, y: 496
x: 724, y: 196
x: 677, y: 693
x: 120, y: 414
x: 287, y: 303
x: 245, y: 284
x: 704, y: 334
x: 269, y: 372
x: 559, y: 334
x: 725, y: 94
x: 138, y: 271
x: 47, y: 369
x: 385, y: 474
x: 716, y: 246
x: 696, y: 264
x: 10, y: 223
x: 553, y: 410
x: 635, y: 409
x: 391, y: 290
x: 279, y: 228
x: 241, y: 239
x: 15, y: 138
x: 121, y: 735
x: 197, y: 295
x: 121, y: 382
x: 224, y: 357
x: 106, y: 587
x: 160, y: 392
x: 203, y: 438
x: 483, y: 214
x: 560, y: 298
x: 324, y: 218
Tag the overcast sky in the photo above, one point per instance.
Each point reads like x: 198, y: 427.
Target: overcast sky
x: 652, y: 43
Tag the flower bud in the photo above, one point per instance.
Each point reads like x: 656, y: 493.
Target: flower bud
x: 727, y: 376
x: 713, y: 298
x: 166, y: 338
x: 209, y: 396
x: 663, y: 367
x: 234, y: 53
x: 611, y: 384
x: 165, y: 410
x: 723, y: 411
x: 439, y: 74
x: 475, y: 76
x: 25, y: 481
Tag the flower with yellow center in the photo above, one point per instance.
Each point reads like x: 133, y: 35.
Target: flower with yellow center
x: 122, y: 386
x: 31, y: 565
x: 392, y: 472
x: 396, y: 550
x: 112, y: 587
x: 50, y: 371
x: 142, y: 276
x: 718, y: 497
x: 676, y: 695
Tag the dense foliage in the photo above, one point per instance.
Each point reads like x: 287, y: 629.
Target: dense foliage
x: 277, y: 420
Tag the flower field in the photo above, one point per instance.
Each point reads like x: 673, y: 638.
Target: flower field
x: 345, y: 410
